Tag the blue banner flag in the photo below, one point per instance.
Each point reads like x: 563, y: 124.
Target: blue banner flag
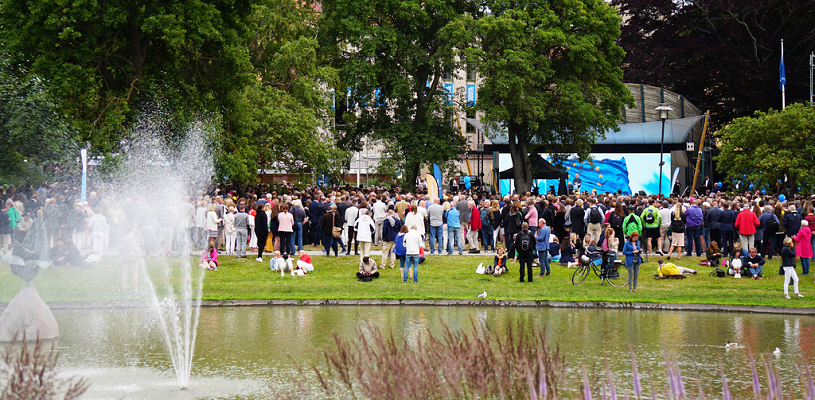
x: 781, y: 69
x: 601, y: 175
x: 437, y: 175
x: 471, y: 94
x: 448, y: 87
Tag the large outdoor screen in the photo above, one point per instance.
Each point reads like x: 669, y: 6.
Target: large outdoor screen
x: 606, y: 172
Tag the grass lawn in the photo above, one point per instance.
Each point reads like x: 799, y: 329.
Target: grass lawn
x: 440, y: 277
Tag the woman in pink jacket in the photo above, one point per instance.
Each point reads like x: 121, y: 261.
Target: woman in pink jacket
x: 803, y: 249
x: 209, y: 258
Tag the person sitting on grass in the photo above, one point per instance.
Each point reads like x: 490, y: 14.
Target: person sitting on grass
x: 280, y: 263
x: 66, y: 254
x: 579, y: 245
x: 303, y: 265
x: 554, y: 250
x: 367, y: 270
x: 713, y: 254
x: 567, y: 253
x: 209, y: 258
x: 608, y: 245
x: 594, y: 253
x: 499, y: 263
x: 754, y: 264
x: 672, y: 270
x: 737, y: 260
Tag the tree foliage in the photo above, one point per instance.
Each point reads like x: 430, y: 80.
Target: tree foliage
x: 392, y: 56
x: 550, y: 74
x: 771, y: 149
x: 100, y: 59
x: 721, y: 55
x: 251, y: 65
x: 281, y: 120
x: 32, y: 131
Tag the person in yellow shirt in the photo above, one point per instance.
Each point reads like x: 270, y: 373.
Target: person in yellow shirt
x: 670, y: 269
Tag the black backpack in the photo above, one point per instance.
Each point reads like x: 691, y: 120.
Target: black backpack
x: 485, y: 218
x: 649, y: 217
x: 519, y: 220
x: 525, y: 241
x: 677, y: 226
x: 632, y: 220
x: 595, y: 217
x: 718, y: 273
x: 772, y: 225
x: 616, y: 221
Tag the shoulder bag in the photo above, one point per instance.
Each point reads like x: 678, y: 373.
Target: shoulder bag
x: 336, y: 231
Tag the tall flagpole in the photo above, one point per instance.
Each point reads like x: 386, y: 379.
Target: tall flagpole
x: 84, y: 155
x: 783, y: 79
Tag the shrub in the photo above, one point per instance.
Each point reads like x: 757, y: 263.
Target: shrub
x: 28, y: 373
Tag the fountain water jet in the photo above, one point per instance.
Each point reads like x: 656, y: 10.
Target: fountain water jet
x: 171, y: 169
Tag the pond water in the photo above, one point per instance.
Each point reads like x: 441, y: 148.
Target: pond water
x: 243, y: 351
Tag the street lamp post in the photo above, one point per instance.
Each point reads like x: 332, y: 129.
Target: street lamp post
x: 663, y: 115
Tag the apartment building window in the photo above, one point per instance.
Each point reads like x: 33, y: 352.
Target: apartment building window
x: 470, y: 73
x: 448, y: 74
x: 449, y: 117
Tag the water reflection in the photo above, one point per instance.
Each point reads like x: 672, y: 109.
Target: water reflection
x: 242, y: 351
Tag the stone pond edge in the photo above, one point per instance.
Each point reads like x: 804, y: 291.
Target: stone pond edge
x: 493, y: 303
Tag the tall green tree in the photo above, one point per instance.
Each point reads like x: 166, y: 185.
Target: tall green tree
x: 550, y: 75
x: 250, y: 66
x: 282, y: 119
x: 772, y: 149
x: 392, y: 56
x: 100, y: 60
x: 32, y: 131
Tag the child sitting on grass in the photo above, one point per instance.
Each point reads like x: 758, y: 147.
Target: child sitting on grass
x: 554, y: 250
x: 593, y: 252
x: 280, y: 263
x: 209, y: 258
x: 567, y: 253
x: 500, y: 264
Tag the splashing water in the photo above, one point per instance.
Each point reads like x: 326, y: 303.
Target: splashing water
x: 159, y: 170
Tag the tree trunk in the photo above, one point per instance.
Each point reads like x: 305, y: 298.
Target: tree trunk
x: 138, y: 49
x: 411, y: 172
x: 522, y: 172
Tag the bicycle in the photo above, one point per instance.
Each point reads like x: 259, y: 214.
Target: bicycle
x: 616, y: 274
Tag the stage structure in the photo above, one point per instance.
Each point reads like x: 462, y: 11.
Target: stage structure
x: 626, y: 160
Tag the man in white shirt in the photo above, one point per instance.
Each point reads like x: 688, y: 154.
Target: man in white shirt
x: 380, y: 213
x: 436, y: 214
x: 364, y: 232
x: 413, y: 242
x: 665, y: 212
x: 351, y: 214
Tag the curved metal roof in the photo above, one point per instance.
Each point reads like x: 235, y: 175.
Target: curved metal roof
x: 676, y: 132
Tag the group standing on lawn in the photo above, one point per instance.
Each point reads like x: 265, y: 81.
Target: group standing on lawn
x: 535, y: 230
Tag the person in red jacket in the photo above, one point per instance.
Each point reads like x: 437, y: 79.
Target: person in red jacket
x: 803, y: 248
x: 810, y: 218
x: 475, y: 227
x: 746, y: 224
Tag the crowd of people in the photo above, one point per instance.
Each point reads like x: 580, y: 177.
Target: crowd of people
x: 535, y: 230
